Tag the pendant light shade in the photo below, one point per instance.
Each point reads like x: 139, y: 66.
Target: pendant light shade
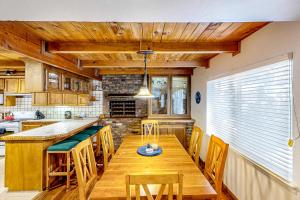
x: 144, y: 90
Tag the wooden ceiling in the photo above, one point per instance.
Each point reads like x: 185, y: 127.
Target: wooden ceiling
x: 114, y: 42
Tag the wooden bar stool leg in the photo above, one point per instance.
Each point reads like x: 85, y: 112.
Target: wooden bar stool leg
x: 68, y: 170
x: 48, y: 170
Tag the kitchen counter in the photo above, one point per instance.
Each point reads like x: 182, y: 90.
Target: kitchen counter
x: 25, y: 152
x: 61, y: 129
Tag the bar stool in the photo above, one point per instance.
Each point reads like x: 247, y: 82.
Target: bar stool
x: 61, y: 151
x: 97, y: 143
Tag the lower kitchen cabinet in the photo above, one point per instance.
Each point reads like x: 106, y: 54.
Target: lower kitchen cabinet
x: 70, y: 99
x: 32, y: 125
x: 55, y: 99
x: 40, y: 99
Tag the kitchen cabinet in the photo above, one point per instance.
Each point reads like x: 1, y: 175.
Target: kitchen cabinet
x: 40, y: 99
x: 70, y: 99
x: 21, y: 86
x: 55, y: 98
x: 53, y: 80
x: 67, y: 83
x: 83, y: 99
x: 9, y: 100
x: 32, y: 125
x: 2, y: 84
x: 11, y: 85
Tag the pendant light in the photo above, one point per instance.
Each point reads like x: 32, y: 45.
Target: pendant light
x: 144, y: 90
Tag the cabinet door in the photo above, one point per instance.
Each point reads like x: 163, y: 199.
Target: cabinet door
x: 53, y: 80
x: 40, y: 99
x: 2, y: 84
x: 21, y: 86
x: 55, y: 98
x: 11, y: 85
x: 83, y: 99
x: 26, y: 127
x: 70, y: 99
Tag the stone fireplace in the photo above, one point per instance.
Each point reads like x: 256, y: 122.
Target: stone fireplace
x: 122, y: 88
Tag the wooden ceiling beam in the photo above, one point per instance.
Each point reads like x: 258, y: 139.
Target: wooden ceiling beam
x: 12, y: 63
x: 140, y: 64
x: 133, y: 47
x: 26, y: 48
x: 151, y: 71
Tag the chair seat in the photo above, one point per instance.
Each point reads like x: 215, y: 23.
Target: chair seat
x: 64, y: 145
x: 79, y: 137
x: 95, y: 128
x: 89, y: 132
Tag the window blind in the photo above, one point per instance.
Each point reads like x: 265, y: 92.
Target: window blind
x: 252, y: 112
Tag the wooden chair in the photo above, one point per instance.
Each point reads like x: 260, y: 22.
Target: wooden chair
x: 85, y: 166
x: 107, y: 145
x: 143, y: 180
x: 149, y: 127
x: 195, y: 144
x: 215, y: 162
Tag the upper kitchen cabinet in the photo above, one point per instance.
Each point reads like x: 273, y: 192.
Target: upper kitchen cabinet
x: 45, y: 78
x: 53, y: 79
x: 67, y: 82
x: 2, y: 84
x: 11, y: 85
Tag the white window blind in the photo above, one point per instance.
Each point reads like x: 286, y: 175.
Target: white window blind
x: 252, y: 112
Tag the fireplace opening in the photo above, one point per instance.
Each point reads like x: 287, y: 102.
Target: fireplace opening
x: 122, y: 108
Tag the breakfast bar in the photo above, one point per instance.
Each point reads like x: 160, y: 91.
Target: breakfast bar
x: 25, y: 161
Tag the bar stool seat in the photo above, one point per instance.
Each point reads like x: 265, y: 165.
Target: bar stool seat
x: 79, y: 137
x: 64, y: 145
x: 89, y: 132
x: 95, y: 128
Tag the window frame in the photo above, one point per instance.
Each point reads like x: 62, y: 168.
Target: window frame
x: 237, y: 150
x: 169, y: 99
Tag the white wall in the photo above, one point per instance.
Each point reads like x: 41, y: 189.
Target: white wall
x: 243, y: 178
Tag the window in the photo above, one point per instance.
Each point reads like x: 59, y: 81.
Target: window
x: 252, y: 112
x: 160, y: 93
x: 179, y: 95
x: 171, y: 95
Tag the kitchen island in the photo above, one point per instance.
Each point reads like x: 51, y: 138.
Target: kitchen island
x: 25, y: 157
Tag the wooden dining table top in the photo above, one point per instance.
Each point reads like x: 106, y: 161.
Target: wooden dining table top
x: 174, y: 158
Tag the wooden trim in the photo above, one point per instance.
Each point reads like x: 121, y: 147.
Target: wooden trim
x: 24, y: 47
x: 151, y: 71
x: 133, y: 47
x: 140, y: 64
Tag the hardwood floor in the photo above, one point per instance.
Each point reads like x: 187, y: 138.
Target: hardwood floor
x: 61, y: 193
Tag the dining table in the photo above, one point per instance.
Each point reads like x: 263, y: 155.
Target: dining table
x: 174, y: 158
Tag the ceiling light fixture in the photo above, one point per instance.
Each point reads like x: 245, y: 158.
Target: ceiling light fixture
x: 144, y: 90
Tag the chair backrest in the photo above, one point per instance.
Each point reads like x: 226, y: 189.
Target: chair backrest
x: 165, y: 179
x: 107, y: 144
x: 149, y: 127
x: 195, y: 144
x: 85, y: 167
x: 215, y: 161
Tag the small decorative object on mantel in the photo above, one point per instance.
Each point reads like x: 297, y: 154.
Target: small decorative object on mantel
x: 198, y: 97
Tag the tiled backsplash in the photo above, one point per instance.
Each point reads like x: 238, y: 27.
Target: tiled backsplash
x: 57, y: 112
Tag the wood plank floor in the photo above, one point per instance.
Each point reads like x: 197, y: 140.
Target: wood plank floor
x: 73, y: 194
